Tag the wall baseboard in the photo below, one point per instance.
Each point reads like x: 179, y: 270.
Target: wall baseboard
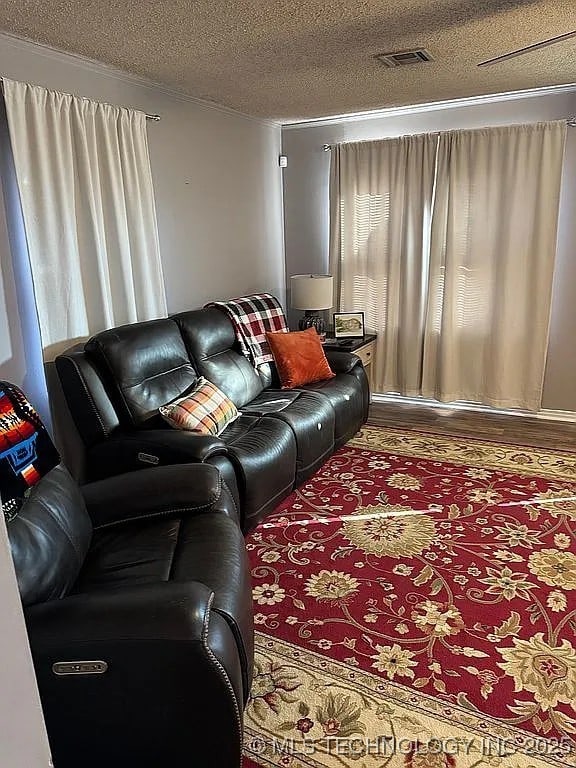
x: 554, y: 415
x: 545, y: 414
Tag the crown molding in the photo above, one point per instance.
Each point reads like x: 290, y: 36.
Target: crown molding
x: 99, y: 68
x: 431, y: 106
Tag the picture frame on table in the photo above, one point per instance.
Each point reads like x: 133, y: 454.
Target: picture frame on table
x: 348, y: 325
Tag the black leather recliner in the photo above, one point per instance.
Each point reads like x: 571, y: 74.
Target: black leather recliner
x: 137, y: 599
x: 115, y: 383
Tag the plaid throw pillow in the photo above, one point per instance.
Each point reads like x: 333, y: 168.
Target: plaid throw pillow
x: 206, y: 410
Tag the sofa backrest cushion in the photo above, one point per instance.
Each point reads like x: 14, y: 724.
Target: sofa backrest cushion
x: 144, y: 365
x: 211, y: 344
x: 49, y: 538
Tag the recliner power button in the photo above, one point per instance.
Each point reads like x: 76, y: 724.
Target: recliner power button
x: 148, y: 458
x: 319, y: 425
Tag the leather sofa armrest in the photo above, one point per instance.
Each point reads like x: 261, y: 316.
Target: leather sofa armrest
x: 128, y: 451
x: 172, y: 491
x: 164, y: 647
x: 342, y: 362
x: 162, y: 611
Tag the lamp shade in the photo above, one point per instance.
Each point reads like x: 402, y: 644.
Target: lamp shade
x: 311, y: 291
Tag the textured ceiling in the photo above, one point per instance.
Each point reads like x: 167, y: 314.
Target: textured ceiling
x: 293, y: 60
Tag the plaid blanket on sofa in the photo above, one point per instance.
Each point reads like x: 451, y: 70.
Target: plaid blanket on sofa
x: 252, y: 316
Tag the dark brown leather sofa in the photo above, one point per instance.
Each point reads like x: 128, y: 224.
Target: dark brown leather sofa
x: 115, y: 383
x: 137, y: 599
x: 160, y: 588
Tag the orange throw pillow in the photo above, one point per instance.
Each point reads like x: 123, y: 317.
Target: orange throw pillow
x: 299, y: 358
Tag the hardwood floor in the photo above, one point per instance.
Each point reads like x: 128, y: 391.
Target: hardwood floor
x: 516, y: 430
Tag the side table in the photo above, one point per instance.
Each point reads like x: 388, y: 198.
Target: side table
x: 364, y: 347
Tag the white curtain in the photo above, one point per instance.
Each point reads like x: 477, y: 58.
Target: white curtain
x: 85, y: 183
x: 452, y: 259
x: 381, y: 193
x: 494, y: 231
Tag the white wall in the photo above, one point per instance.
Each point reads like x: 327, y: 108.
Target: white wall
x: 217, y: 184
x: 12, y: 359
x: 23, y: 740
x: 306, y: 183
x: 219, y: 202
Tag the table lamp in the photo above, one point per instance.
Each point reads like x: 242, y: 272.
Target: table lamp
x: 312, y: 293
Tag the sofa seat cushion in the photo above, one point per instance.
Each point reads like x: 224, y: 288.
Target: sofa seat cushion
x: 346, y: 397
x: 263, y: 453
x: 309, y: 415
x: 207, y: 548
x: 272, y: 402
x: 130, y: 555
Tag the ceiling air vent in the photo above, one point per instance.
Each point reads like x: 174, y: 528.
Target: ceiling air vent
x: 403, y: 58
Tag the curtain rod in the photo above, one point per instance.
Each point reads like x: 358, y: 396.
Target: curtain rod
x: 155, y: 118
x: 570, y: 122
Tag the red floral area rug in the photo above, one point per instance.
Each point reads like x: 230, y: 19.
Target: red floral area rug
x: 415, y: 607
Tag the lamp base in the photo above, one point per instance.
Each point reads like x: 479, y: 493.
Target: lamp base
x: 311, y: 320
